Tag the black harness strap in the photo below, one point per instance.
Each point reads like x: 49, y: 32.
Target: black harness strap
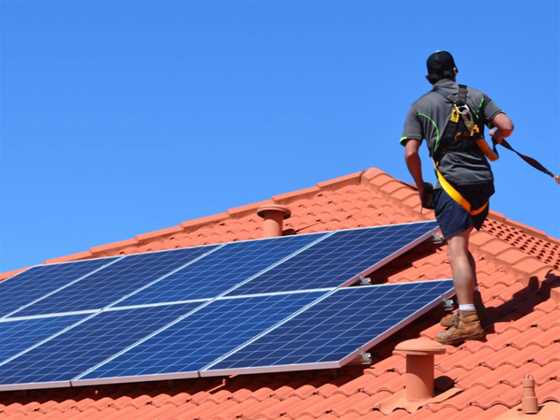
x: 462, y: 95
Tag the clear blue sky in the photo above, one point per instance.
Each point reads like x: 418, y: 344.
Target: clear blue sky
x: 121, y: 117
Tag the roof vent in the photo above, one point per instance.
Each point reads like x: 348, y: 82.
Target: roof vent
x: 273, y: 216
x: 529, y: 403
x: 419, y: 378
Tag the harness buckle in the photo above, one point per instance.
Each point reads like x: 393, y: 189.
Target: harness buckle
x: 455, y: 115
x: 468, y: 119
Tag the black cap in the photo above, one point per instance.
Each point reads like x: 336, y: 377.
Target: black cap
x: 440, y: 66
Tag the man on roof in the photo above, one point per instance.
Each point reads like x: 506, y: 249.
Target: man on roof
x: 451, y: 117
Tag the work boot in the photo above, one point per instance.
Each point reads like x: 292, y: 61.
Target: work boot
x: 451, y: 319
x: 467, y: 328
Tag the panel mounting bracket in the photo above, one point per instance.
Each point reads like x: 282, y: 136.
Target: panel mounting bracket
x: 363, y: 358
x: 364, y: 281
x: 438, y: 238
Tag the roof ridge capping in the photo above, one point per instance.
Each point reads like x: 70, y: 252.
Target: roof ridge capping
x: 393, y: 188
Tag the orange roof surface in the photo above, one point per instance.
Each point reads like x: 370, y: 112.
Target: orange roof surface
x: 518, y: 276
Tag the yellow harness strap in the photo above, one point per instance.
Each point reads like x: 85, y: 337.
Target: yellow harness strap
x: 484, y: 148
x: 457, y: 197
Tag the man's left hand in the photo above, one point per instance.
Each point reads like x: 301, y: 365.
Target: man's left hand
x: 427, y: 196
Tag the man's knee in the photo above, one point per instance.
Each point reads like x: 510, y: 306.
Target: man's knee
x: 458, y: 246
x: 458, y: 253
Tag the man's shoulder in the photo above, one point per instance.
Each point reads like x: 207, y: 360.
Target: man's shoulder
x: 427, y: 100
x: 474, y: 92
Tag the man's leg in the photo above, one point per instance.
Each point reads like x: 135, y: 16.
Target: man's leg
x: 462, y: 267
x: 478, y: 303
x: 464, y: 279
x: 452, y: 319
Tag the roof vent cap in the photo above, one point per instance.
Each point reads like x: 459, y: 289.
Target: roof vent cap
x: 419, y: 377
x: 274, y: 216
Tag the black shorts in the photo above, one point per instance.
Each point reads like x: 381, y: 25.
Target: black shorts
x: 454, y: 219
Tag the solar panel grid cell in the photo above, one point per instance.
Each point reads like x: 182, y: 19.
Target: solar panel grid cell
x: 221, y: 270
x: 41, y: 280
x: 119, y: 279
x: 17, y: 336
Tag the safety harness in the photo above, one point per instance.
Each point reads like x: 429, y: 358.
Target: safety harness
x: 462, y: 133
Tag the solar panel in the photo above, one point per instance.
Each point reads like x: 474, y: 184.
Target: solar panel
x: 184, y: 348
x: 115, y: 281
x: 221, y: 270
x: 55, y: 362
x: 39, y: 281
x: 335, y: 330
x: 340, y: 258
x: 18, y: 335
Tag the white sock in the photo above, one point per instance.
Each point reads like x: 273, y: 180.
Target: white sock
x: 467, y: 307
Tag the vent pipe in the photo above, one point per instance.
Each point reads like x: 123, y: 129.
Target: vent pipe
x: 273, y: 216
x: 529, y: 403
x: 419, y: 377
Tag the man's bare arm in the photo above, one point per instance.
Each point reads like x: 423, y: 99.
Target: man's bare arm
x: 503, y: 127
x: 413, y: 163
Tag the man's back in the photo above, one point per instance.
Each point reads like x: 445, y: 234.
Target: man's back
x: 428, y: 119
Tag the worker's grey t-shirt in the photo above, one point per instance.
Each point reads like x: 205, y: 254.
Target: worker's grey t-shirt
x: 428, y: 118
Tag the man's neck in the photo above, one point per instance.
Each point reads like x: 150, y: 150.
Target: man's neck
x: 444, y: 82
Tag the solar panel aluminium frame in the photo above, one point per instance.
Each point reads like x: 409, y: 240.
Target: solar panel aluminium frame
x: 78, y: 381
x: 207, y: 371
